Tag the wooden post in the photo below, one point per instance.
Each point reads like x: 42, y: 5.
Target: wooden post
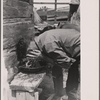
x: 55, y: 10
x: 22, y: 95
x: 33, y: 3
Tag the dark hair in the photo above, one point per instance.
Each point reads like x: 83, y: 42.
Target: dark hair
x: 21, y: 48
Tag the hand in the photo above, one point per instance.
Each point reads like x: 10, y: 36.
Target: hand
x: 72, y: 61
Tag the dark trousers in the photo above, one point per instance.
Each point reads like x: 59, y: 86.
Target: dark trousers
x: 72, y: 81
x: 58, y: 80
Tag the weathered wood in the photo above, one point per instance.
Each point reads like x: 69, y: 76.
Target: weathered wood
x: 26, y: 82
x: 15, y: 20
x: 15, y: 12
x: 25, y: 12
x: 12, y: 95
x: 61, y: 3
x: 30, y: 96
x: 9, y: 94
x: 20, y: 3
x: 10, y: 59
x: 36, y: 95
x: 20, y: 95
x: 14, y: 31
x: 17, y: 24
x: 10, y: 12
x: 16, y: 8
x: 9, y: 2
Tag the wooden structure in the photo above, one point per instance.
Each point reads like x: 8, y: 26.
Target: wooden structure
x: 17, y: 24
x: 25, y: 86
x: 53, y: 3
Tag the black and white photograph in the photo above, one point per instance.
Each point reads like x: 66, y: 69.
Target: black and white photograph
x: 42, y: 50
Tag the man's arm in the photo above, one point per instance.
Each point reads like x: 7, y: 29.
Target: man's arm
x: 56, y: 52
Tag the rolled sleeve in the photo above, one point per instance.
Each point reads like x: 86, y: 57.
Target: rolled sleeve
x: 32, y: 46
x: 56, y: 52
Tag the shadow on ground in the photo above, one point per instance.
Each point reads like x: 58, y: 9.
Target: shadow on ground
x: 47, y: 88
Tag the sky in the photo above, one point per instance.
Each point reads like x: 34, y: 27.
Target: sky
x: 49, y: 5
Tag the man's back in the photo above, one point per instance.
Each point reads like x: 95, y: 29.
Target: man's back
x: 68, y: 38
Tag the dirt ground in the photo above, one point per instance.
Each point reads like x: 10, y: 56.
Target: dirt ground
x: 48, y: 86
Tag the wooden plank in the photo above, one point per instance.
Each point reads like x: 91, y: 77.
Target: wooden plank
x: 61, y: 3
x: 55, y: 10
x: 13, y: 95
x: 10, y: 59
x: 9, y: 2
x: 16, y: 8
x: 13, y: 20
x: 9, y: 12
x: 12, y: 12
x: 14, y: 31
x: 29, y: 96
x: 25, y: 12
x: 19, y: 3
x: 11, y: 29
x: 36, y: 95
x: 6, y: 93
x: 20, y: 95
x: 9, y: 95
x: 26, y: 82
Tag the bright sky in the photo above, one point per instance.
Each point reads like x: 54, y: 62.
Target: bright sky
x: 49, y: 5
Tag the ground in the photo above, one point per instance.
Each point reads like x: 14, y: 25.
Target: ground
x: 48, y: 86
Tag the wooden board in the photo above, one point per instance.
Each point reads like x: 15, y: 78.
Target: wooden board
x: 14, y: 31
x: 20, y: 95
x: 15, y: 20
x: 26, y: 82
x: 10, y: 59
x: 15, y: 9
x: 29, y: 96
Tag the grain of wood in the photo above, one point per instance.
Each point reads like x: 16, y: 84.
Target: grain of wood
x: 20, y: 95
x: 13, y: 95
x: 36, y: 95
x: 27, y: 82
x: 30, y: 96
x: 15, y: 9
